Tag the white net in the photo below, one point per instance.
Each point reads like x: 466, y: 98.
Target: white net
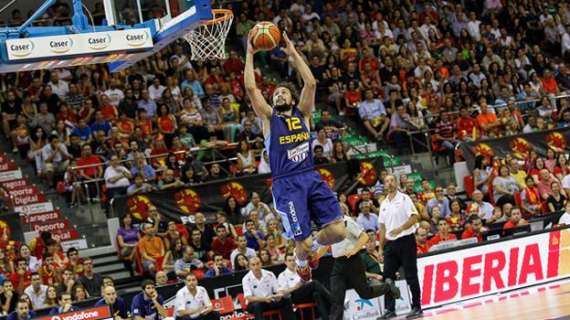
x: 208, y: 40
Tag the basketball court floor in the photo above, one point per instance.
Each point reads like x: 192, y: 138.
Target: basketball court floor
x: 545, y: 302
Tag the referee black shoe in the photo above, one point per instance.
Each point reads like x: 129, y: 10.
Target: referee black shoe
x: 388, y: 315
x: 415, y: 313
x: 394, y: 291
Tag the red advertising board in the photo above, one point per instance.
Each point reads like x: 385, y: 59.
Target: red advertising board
x: 8, y: 166
x: 52, y: 226
x: 41, y: 217
x: 96, y: 313
x: 28, y: 199
x: 15, y: 184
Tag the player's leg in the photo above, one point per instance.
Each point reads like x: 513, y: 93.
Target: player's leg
x: 290, y: 197
x: 326, y: 213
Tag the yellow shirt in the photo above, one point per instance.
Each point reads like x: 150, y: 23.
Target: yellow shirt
x: 520, y: 178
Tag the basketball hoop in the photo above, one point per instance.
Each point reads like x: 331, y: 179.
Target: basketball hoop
x: 208, y: 40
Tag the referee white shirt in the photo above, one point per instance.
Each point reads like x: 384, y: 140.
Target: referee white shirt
x: 264, y: 287
x: 186, y: 300
x: 394, y: 213
x: 353, y: 231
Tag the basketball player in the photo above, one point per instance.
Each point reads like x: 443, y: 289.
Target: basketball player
x: 299, y: 194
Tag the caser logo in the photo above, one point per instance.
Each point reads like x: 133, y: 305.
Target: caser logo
x: 99, y: 41
x: 21, y: 48
x: 61, y: 46
x: 136, y: 39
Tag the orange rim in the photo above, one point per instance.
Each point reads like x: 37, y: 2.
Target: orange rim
x: 219, y: 15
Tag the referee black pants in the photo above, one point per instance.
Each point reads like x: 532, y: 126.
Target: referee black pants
x: 314, y: 292
x: 402, y: 253
x: 350, y: 273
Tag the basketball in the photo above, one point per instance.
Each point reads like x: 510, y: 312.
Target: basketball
x: 266, y: 36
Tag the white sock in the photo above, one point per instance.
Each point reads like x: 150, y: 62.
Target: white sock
x: 316, y: 245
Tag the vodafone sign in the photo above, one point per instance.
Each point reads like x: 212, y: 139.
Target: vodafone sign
x: 493, y: 268
x: 96, y: 313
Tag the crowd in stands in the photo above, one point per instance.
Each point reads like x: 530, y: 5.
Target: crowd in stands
x: 465, y: 72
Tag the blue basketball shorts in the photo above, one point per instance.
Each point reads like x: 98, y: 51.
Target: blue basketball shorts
x: 301, y: 199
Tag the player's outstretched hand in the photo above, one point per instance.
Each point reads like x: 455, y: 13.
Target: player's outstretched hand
x: 289, y: 46
x: 250, y: 47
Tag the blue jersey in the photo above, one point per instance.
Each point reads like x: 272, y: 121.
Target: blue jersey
x: 289, y: 144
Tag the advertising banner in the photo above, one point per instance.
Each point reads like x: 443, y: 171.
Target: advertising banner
x: 494, y: 268
x: 79, y: 44
x: 96, y: 313
x: 518, y: 145
x: 210, y: 197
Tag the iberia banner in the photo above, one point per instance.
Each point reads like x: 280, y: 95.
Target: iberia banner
x: 518, y: 145
x: 493, y: 268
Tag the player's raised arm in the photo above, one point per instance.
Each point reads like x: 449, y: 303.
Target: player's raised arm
x: 307, y: 98
x: 260, y: 106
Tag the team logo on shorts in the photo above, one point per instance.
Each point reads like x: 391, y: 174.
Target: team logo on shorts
x: 294, y: 220
x: 299, y: 153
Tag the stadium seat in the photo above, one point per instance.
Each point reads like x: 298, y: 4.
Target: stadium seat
x: 266, y: 315
x: 469, y: 185
x: 300, y: 308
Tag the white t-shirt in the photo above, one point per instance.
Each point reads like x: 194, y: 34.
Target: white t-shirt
x: 566, y: 182
x: 394, y: 213
x: 186, y: 300
x: 115, y: 96
x: 288, y: 279
x: 264, y: 287
x: 156, y: 93
x: 38, y: 299
x: 111, y: 172
x: 353, y: 231
x: 61, y: 88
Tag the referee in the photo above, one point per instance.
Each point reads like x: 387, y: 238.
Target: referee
x: 349, y: 271
x: 398, y: 217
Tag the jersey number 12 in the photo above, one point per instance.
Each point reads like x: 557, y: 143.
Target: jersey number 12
x: 293, y: 123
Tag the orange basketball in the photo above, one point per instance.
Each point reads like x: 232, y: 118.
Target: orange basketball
x: 266, y: 36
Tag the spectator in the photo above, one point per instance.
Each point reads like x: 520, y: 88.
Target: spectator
x: 441, y: 201
x: 22, y: 277
x: 366, y: 219
x: 564, y: 218
x: 37, y: 292
x: 243, y: 249
x: 139, y: 186
x: 319, y: 156
x: 206, y: 229
x: 246, y: 159
x: 116, y: 178
x: 188, y: 262
x: 151, y: 249
x: 161, y: 278
x: 56, y: 159
x: 544, y: 184
x: 91, y: 168
x: 141, y: 167
x: 556, y: 201
x: 516, y: 220
x: 22, y: 312
x: 483, y: 209
x: 64, y: 305
x: 169, y: 181
x: 32, y: 262
x: 254, y: 237
x: 261, y: 290
x: 222, y: 244
x: 200, y: 246
x: 8, y: 297
x: 504, y: 187
x: 443, y: 233
x: 118, y: 306
x: 422, y: 244
x: 79, y: 293
x: 474, y: 228
x: 373, y: 113
x: 91, y: 280
x: 192, y: 301
x: 256, y: 204
x: 148, y: 304
x: 147, y: 104
x: 218, y: 269
x: 67, y: 282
